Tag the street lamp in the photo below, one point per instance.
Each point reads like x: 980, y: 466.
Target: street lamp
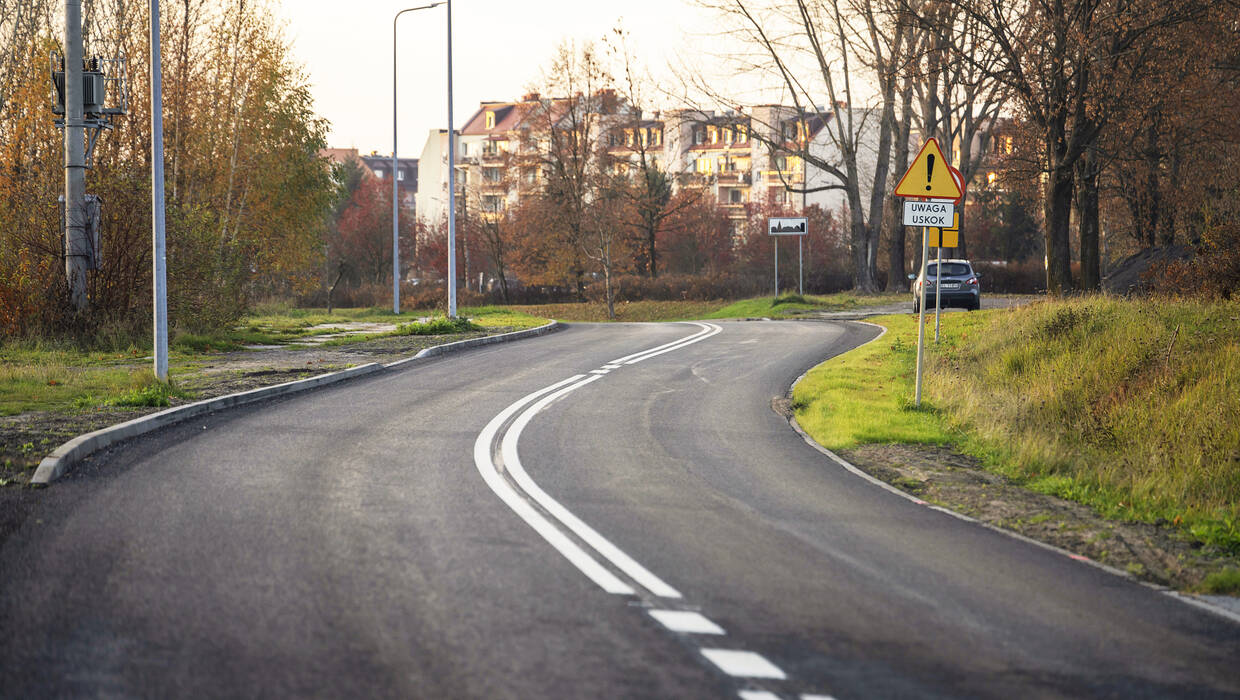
x: 396, y: 166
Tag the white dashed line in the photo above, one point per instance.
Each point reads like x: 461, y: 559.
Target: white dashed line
x: 599, y: 371
x: 746, y: 664
x: 758, y: 695
x: 817, y: 697
x: 686, y: 622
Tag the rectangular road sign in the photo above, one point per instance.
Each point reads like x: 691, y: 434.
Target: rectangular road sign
x: 937, y: 214
x: 788, y: 226
x: 951, y: 236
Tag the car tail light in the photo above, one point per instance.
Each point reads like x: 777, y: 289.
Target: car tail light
x: 972, y: 281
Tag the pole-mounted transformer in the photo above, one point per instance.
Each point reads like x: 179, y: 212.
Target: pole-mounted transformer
x: 81, y: 96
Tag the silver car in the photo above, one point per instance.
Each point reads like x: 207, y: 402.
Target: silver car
x: 960, y: 286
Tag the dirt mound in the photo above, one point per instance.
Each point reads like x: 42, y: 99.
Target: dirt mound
x: 1128, y: 277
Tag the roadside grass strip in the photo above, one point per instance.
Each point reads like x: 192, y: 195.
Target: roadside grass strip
x: 792, y: 305
x: 1129, y: 406
x: 865, y: 396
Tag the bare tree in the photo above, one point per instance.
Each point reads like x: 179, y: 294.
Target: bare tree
x: 640, y: 178
x: 828, y: 52
x: 562, y: 144
x: 1068, y: 64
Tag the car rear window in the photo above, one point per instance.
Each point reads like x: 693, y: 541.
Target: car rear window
x: 949, y: 269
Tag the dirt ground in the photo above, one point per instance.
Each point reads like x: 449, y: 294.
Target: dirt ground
x: 1156, y: 553
x: 27, y: 438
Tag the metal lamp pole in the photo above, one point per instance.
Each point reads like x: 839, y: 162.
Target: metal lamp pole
x: 395, y: 170
x: 451, y: 182
x: 159, y: 282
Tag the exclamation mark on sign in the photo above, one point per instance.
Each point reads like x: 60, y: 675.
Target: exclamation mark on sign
x: 929, y: 170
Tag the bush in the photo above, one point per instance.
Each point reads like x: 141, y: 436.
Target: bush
x: 438, y: 326
x: 1212, y: 273
x: 676, y: 288
x: 1012, y: 278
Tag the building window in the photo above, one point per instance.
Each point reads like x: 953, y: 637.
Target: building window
x: 378, y: 173
x: 704, y: 166
x: 713, y: 134
x: 490, y: 120
x: 400, y: 175
x: 734, y: 196
x: 490, y: 174
x: 699, y: 136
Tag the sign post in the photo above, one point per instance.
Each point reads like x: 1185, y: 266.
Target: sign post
x: 788, y: 226
x: 931, y: 189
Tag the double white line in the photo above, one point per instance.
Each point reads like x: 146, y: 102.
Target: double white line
x: 522, y: 501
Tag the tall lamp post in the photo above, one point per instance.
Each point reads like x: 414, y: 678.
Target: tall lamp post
x: 451, y: 182
x: 396, y: 168
x: 159, y: 281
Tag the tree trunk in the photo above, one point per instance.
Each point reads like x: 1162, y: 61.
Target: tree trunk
x: 1087, y: 168
x: 1058, y: 211
x: 897, y: 280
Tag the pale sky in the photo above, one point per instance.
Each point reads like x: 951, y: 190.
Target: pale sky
x: 499, y: 49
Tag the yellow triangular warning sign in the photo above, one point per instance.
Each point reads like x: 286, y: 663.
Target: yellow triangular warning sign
x: 928, y: 176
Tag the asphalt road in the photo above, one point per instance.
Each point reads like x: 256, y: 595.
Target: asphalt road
x: 464, y: 530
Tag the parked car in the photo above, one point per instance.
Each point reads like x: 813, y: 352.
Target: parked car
x: 960, y: 286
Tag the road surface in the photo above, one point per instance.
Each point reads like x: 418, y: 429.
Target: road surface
x: 565, y: 517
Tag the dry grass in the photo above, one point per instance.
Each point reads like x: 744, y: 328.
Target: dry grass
x: 1131, y: 406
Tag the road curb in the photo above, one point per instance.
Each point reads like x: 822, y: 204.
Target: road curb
x: 63, y: 458
x: 1198, y: 602
x: 437, y: 350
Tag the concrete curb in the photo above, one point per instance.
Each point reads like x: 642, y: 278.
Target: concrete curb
x: 60, y: 461
x: 436, y: 350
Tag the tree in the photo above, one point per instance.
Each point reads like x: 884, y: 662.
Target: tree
x: 562, y: 144
x: 639, y: 176
x: 838, y: 42
x: 250, y: 196
x: 1068, y: 64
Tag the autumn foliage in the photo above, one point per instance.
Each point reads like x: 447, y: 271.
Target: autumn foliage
x: 247, y: 195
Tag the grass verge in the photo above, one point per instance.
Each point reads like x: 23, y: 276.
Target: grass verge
x: 1131, y: 407
x: 786, y: 306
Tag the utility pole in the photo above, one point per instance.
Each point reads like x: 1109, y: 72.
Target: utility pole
x: 77, y: 248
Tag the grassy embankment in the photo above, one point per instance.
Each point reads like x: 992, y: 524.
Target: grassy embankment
x: 41, y: 376
x: 1131, y: 407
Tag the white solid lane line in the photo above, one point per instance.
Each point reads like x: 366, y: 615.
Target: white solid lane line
x: 705, y: 328
x: 745, y: 664
x: 654, y: 352
x: 563, y: 544
x: 686, y: 622
x: 609, y: 551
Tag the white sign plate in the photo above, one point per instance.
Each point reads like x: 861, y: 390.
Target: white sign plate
x: 795, y: 226
x: 938, y: 214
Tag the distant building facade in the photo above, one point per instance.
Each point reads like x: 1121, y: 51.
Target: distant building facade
x: 728, y: 154
x: 380, y: 167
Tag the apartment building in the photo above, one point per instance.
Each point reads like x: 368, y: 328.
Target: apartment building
x: 728, y: 154
x: 380, y: 167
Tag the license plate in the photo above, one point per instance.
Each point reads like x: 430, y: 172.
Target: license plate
x: 951, y: 285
